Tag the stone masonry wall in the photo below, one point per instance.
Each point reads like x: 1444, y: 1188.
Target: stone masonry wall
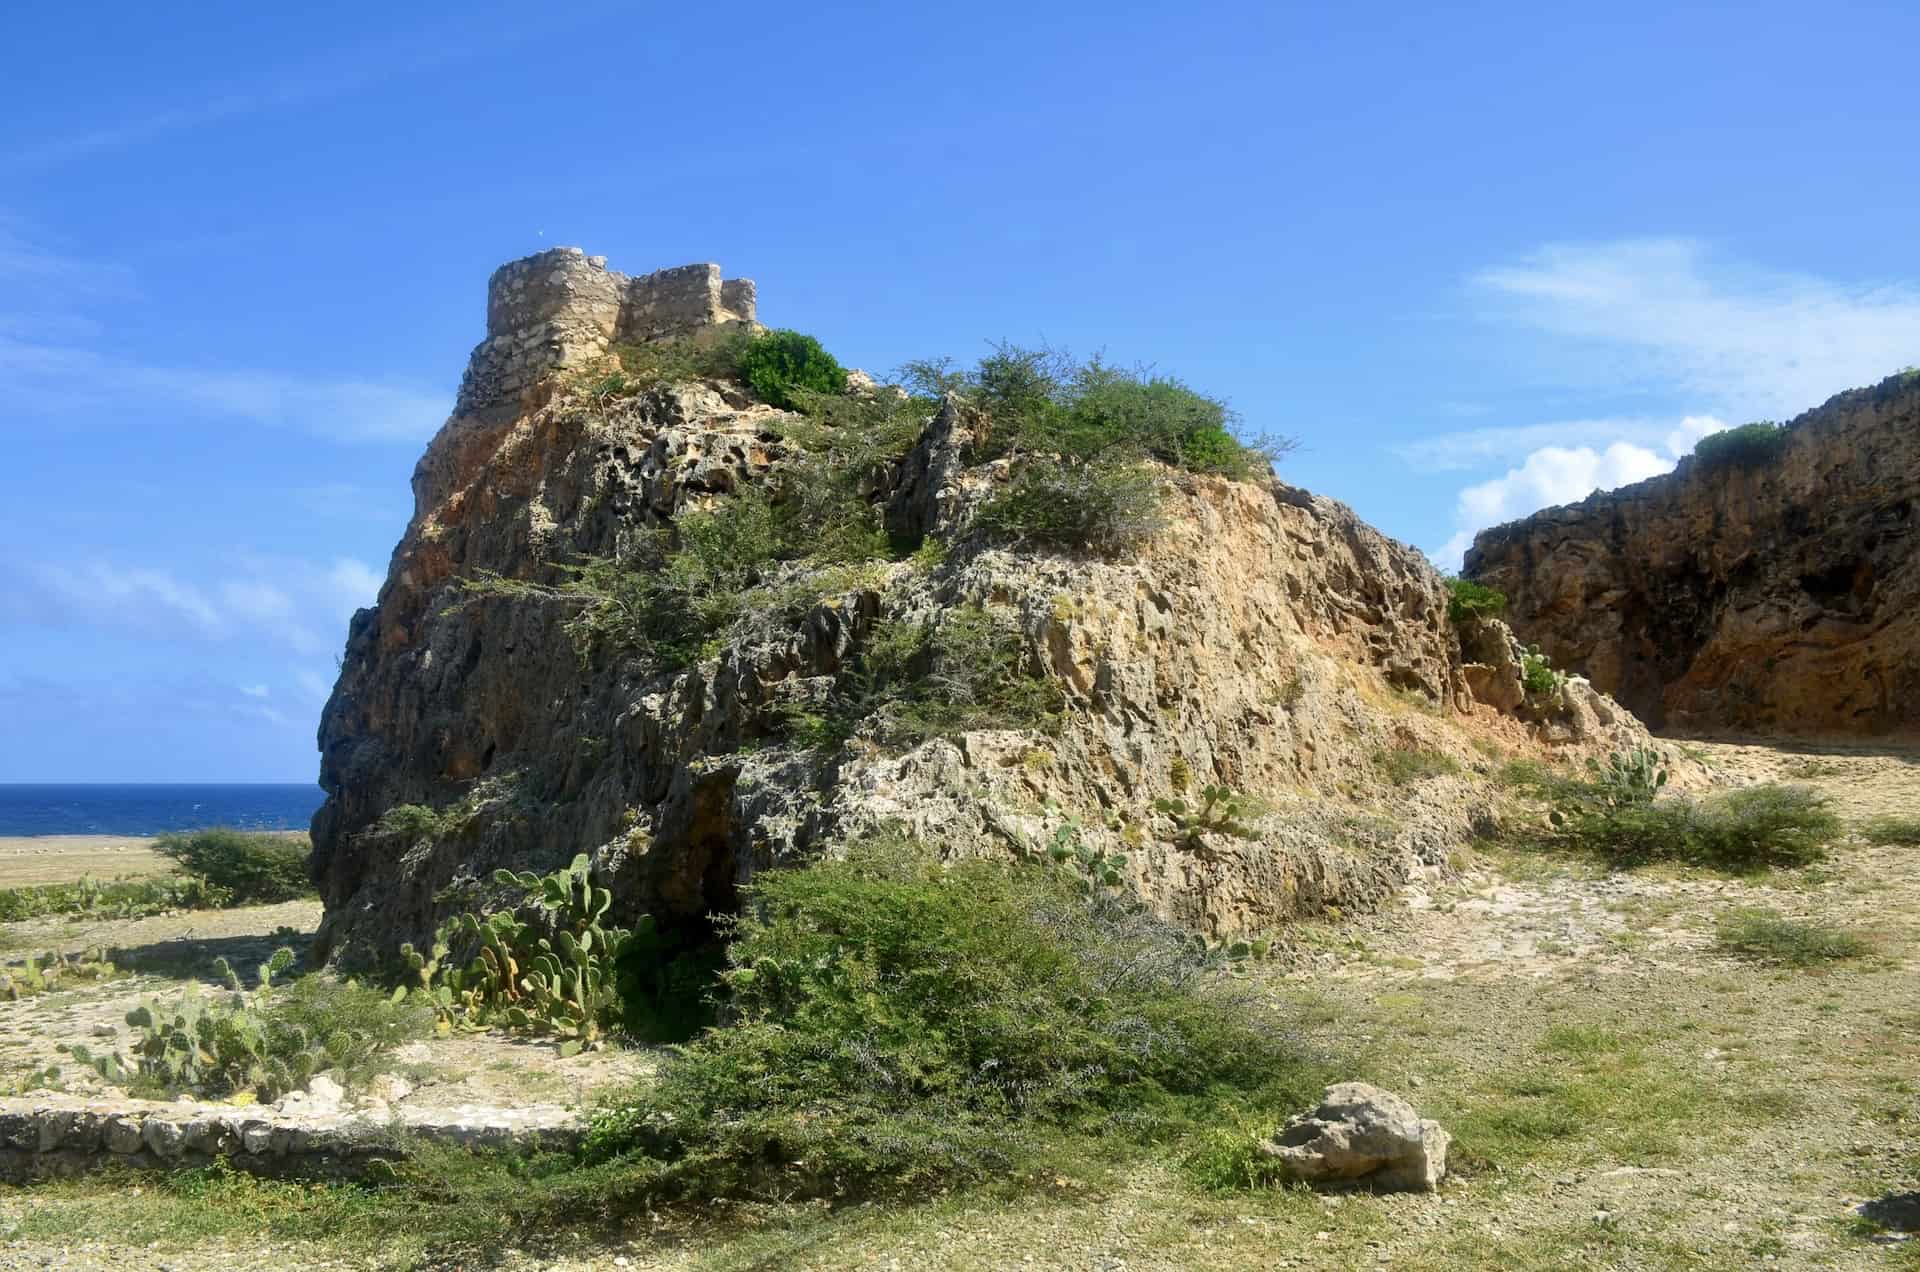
x: 562, y: 308
x: 56, y: 1135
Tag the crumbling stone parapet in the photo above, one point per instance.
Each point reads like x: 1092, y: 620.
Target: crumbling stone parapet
x: 561, y: 308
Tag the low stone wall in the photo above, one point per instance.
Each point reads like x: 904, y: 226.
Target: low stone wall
x: 52, y: 1136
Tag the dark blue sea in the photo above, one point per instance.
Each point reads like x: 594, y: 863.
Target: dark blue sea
x: 27, y: 809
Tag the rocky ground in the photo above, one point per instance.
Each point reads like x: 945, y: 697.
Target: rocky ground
x: 157, y: 955
x: 1623, y: 1095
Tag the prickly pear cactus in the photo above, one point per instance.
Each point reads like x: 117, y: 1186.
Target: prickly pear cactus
x: 547, y: 973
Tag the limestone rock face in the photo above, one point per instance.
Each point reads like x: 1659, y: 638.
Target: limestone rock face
x: 1266, y: 640
x: 1362, y: 1135
x: 1782, y: 597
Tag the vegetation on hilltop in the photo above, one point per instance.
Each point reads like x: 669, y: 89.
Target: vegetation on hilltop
x: 1749, y: 446
x: 252, y: 867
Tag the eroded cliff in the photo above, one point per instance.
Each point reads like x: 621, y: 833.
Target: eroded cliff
x: 1264, y: 639
x: 1776, y: 594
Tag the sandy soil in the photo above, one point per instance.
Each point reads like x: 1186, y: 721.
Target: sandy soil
x: 30, y: 859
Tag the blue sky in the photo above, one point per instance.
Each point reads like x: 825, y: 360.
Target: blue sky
x: 1477, y: 258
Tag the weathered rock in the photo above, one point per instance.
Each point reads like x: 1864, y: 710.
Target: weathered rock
x: 1364, y: 1136
x: 122, y: 1135
x: 1782, y: 596
x: 167, y: 1138
x: 1266, y: 640
x: 389, y: 1088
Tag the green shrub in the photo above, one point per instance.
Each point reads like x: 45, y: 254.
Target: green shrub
x: 1041, y: 401
x: 253, y: 868
x: 1468, y: 601
x: 680, y: 592
x: 1749, y: 446
x: 1078, y: 434
x: 1104, y: 508
x: 665, y: 981
x: 971, y: 670
x: 1746, y: 829
x: 134, y: 898
x: 1404, y: 768
x: 1892, y: 829
x: 848, y: 445
x: 1767, y: 935
x: 779, y: 365
x: 896, y: 1025
x: 709, y: 356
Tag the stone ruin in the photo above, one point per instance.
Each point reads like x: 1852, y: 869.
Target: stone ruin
x: 561, y: 309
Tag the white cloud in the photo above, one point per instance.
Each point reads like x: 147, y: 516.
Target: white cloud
x: 302, y: 606
x: 1740, y: 341
x: 1721, y: 340
x: 137, y: 598
x: 50, y: 367
x: 316, y: 686
x: 355, y: 585
x: 1555, y: 475
x: 256, y: 691
x: 1479, y: 447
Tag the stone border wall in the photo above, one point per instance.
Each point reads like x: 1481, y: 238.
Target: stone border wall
x: 41, y: 1139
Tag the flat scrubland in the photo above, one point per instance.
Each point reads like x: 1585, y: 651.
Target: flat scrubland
x: 1657, y: 1067
x: 30, y: 859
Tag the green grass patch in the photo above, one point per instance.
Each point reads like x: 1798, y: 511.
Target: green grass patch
x: 1407, y: 767
x: 1743, y: 830
x: 1891, y: 829
x: 1770, y: 937
x: 1592, y: 1094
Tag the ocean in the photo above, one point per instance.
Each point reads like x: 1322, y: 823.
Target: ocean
x: 104, y: 809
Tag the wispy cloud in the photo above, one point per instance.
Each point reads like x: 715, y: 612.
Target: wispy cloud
x: 293, y: 85
x: 1721, y: 340
x: 1476, y: 448
x: 295, y: 605
x: 51, y: 367
x: 263, y: 613
x: 1733, y: 338
x: 1554, y: 475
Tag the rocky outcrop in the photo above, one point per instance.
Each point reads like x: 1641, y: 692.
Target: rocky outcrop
x: 1266, y: 640
x: 1362, y: 1136
x: 1781, y: 596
